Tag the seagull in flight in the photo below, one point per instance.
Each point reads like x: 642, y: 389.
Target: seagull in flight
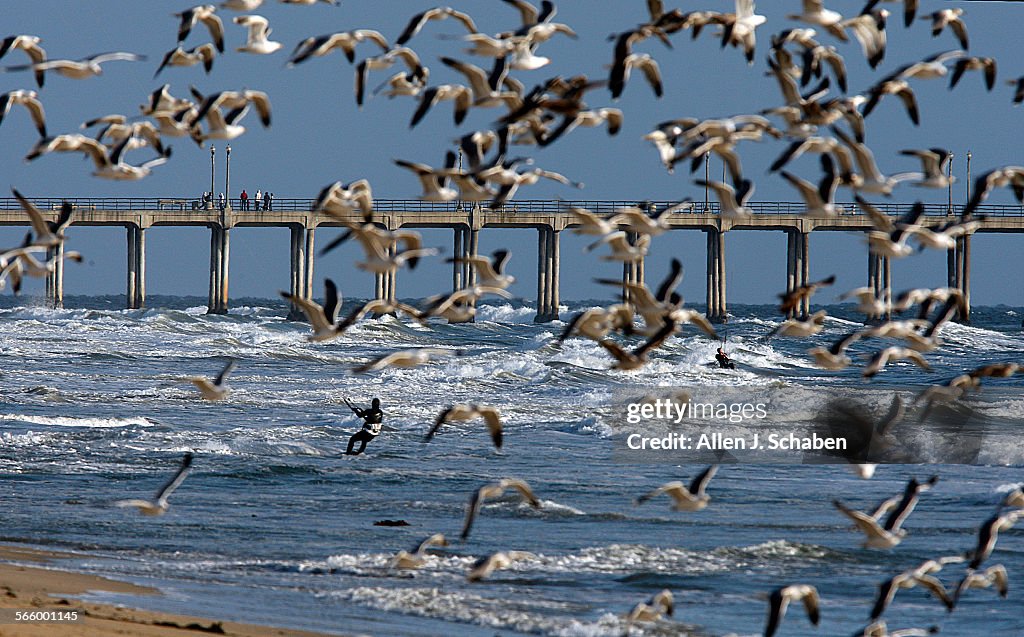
x: 159, y: 505
x: 216, y: 389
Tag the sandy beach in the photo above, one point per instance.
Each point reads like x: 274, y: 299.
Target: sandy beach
x: 48, y: 588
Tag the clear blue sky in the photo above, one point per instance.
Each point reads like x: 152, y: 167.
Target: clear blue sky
x: 319, y: 136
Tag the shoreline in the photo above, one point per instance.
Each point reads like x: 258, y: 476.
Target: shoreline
x: 48, y: 587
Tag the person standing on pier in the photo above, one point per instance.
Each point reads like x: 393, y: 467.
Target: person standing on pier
x: 221, y: 201
x: 244, y: 199
x: 268, y: 200
x: 258, y: 199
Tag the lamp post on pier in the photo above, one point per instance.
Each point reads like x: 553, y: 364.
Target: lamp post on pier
x: 969, y: 175
x: 213, y: 162
x: 949, y: 185
x: 227, y: 179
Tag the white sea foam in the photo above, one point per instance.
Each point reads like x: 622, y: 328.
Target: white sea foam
x: 67, y: 421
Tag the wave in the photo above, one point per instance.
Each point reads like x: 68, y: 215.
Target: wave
x: 71, y: 421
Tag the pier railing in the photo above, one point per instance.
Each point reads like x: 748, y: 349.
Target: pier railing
x: 533, y: 206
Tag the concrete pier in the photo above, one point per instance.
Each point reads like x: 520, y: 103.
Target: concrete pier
x: 958, y: 274
x: 301, y: 268
x: 135, y: 289
x: 548, y: 218
x: 55, y: 279
x: 798, y: 268
x: 548, y: 266
x: 632, y: 272
x: 717, y: 308
x: 220, y: 260
x: 880, y: 280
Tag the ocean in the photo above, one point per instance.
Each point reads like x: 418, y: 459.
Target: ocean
x: 274, y: 525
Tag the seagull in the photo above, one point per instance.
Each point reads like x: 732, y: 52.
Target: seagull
x: 495, y: 490
x: 225, y: 126
x: 732, y: 201
x: 693, y: 498
x: 597, y: 323
x: 818, y: 200
x: 48, y: 235
x: 869, y: 30
x: 461, y: 95
x: 988, y: 533
x: 433, y: 180
x: 922, y: 575
x: 648, y: 221
x: 405, y: 359
x: 833, y: 358
x: 204, y: 13
x: 107, y: 161
x: 414, y: 79
x: 992, y: 576
x: 791, y: 300
x: 159, y: 505
x: 652, y: 609
x: 883, y: 357
x: 949, y: 18
x: 485, y: 566
x: 739, y: 27
x: 642, y: 61
x: 241, y: 5
x: 80, y: 69
x: 490, y: 272
x: 320, y: 45
x: 909, y: 9
x: 217, y: 389
x: 986, y: 64
x: 622, y: 249
x: 591, y: 224
x: 801, y: 328
x: 630, y: 360
x: 879, y: 629
x: 933, y: 162
x: 899, y: 507
x: 339, y: 199
x: 870, y: 179
x: 457, y: 307
x: 378, y: 307
x: 814, y: 12
x: 437, y: 13
x: 470, y: 412
x: 161, y: 101
x: 257, y: 41
x: 28, y: 99
x: 323, y: 319
x: 180, y: 57
x: 30, y: 45
x: 416, y: 557
x: 779, y: 601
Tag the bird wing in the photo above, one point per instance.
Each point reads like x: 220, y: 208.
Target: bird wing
x: 39, y: 225
x: 471, y: 512
x: 176, y: 480
x: 700, y: 483
x: 219, y: 380
x: 494, y: 427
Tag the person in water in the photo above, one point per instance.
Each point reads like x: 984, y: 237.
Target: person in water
x: 373, y: 419
x: 723, y: 360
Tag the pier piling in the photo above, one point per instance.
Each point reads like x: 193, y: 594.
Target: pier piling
x: 548, y: 264
x: 717, y: 309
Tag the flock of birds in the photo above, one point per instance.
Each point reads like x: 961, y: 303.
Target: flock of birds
x: 540, y: 116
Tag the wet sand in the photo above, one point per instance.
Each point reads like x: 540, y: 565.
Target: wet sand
x: 47, y: 588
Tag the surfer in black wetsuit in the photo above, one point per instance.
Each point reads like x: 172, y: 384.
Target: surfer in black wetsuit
x: 723, y: 360
x: 373, y: 419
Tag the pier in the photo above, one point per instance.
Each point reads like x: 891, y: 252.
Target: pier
x: 548, y: 218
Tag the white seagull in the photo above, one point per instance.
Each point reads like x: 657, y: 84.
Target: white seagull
x: 159, y: 505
